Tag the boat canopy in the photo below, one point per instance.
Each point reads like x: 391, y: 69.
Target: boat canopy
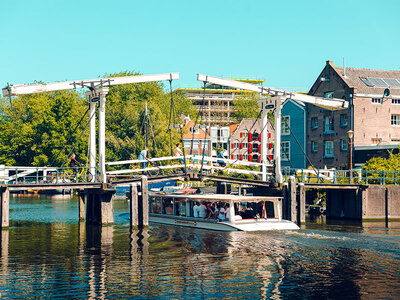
x: 219, y: 197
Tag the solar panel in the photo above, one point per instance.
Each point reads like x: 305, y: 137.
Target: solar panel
x: 392, y: 82
x: 378, y: 82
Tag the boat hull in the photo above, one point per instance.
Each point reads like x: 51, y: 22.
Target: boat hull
x: 242, y: 225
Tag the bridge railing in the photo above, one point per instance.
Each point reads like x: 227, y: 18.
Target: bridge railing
x: 163, y: 165
x: 38, y: 175
x: 332, y: 176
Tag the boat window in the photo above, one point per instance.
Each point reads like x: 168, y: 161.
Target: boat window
x: 180, y: 207
x: 167, y: 206
x: 155, y: 205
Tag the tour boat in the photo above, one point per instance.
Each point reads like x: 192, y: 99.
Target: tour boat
x: 177, y: 209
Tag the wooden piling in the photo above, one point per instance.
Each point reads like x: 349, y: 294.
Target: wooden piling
x: 5, y: 207
x: 145, y: 201
x: 81, y: 199
x: 292, y: 199
x: 301, y: 207
x: 134, y: 206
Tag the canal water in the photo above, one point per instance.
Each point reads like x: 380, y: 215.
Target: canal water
x: 47, y: 253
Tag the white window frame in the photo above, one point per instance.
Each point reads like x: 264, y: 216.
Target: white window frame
x: 376, y: 101
x: 285, y: 129
x: 329, y: 151
x: 395, y: 120
x: 285, y: 156
x: 396, y: 101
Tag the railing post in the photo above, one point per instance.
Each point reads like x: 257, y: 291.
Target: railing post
x: 37, y: 175
x: 334, y: 177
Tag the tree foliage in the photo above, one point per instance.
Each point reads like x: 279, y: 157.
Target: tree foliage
x: 246, y: 106
x: 392, y: 163
x: 36, y: 127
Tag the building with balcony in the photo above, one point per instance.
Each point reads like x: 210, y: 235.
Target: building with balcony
x: 215, y: 103
x: 373, y: 115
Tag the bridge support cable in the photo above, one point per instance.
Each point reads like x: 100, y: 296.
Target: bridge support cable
x: 69, y: 137
x: 205, y: 127
x: 122, y: 130
x: 73, y: 147
x: 301, y: 148
x: 174, y: 112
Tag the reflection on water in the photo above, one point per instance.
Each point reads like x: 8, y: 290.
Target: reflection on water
x: 44, y: 256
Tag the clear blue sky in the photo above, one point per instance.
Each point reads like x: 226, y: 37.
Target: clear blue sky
x: 284, y: 42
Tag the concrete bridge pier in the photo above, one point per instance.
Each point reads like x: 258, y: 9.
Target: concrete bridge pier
x: 5, y: 207
x: 99, y: 206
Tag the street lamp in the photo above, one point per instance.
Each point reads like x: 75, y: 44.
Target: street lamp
x: 350, y: 134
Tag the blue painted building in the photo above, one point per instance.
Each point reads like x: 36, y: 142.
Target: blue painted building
x: 293, y: 135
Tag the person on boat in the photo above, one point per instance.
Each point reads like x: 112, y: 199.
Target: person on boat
x: 143, y: 156
x: 73, y: 163
x: 210, y: 211
x: 249, y: 212
x: 227, y: 211
x: 221, y: 212
x: 202, y: 210
x: 196, y: 209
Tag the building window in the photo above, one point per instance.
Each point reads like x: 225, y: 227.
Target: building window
x: 396, y: 101
x: 328, y: 149
x: 314, y: 146
x: 343, y: 145
x: 285, y: 124
x: 376, y: 100
x: 314, y: 123
x: 328, y: 125
x: 343, y: 120
x: 285, y: 150
x: 395, y: 120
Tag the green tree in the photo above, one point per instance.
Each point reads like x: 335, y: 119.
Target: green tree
x: 392, y: 163
x: 126, y: 115
x: 246, y: 106
x: 35, y: 128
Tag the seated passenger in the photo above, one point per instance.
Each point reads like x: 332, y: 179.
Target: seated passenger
x: 210, y: 211
x: 249, y: 212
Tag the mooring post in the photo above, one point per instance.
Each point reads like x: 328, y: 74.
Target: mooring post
x: 145, y: 201
x: 292, y: 199
x: 301, y: 207
x: 5, y: 207
x: 81, y: 199
x: 134, y: 206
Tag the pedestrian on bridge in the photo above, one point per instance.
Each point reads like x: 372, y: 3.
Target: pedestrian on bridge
x: 143, y: 156
x: 73, y: 163
x: 179, y: 152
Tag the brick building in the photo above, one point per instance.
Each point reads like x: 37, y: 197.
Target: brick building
x: 245, y: 140
x: 374, y: 118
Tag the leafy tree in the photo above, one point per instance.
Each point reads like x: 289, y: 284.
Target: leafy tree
x: 35, y: 128
x: 392, y: 163
x: 246, y: 106
x: 126, y: 118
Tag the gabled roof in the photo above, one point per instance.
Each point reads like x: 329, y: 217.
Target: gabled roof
x: 353, y: 78
x: 201, y: 135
